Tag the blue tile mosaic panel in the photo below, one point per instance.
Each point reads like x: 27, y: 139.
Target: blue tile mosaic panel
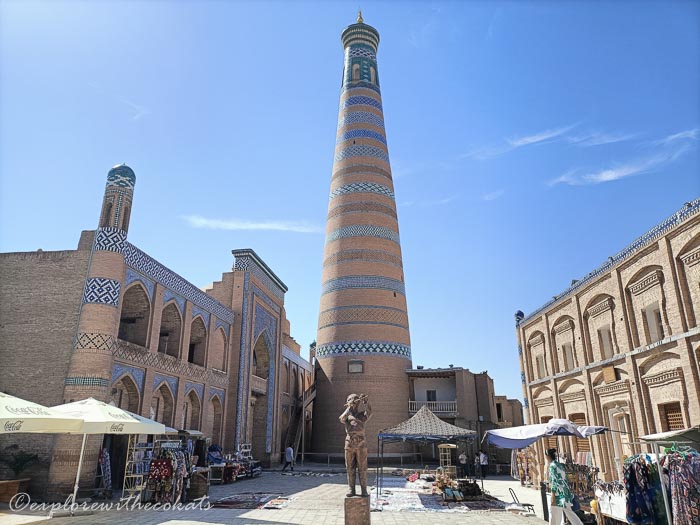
x: 121, y: 178
x: 264, y: 323
x: 213, y: 391
x: 361, y: 117
x: 109, y: 239
x: 361, y: 134
x: 197, y: 387
x: 169, y: 295
x: 362, y: 187
x: 361, y: 150
x: 363, y: 281
x: 247, y: 263
x: 86, y: 381
x: 362, y: 100
x: 196, y: 310
x: 265, y: 298
x: 363, y: 348
x: 171, y: 381
x: 132, y: 276
x: 363, y: 230
x: 242, y: 396
x: 146, y: 265
x: 100, y: 290
x: 137, y: 374
x: 218, y: 323
x: 361, y: 51
x: 93, y: 341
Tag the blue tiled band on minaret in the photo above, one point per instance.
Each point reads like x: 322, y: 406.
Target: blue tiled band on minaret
x: 362, y: 281
x: 362, y: 187
x: 363, y: 230
x: 361, y: 117
x: 361, y: 134
x: 365, y: 101
x: 363, y: 348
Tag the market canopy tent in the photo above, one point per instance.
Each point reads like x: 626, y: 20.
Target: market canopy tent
x: 521, y: 437
x: 424, y: 426
x: 101, y: 418
x: 686, y: 435
x: 18, y: 415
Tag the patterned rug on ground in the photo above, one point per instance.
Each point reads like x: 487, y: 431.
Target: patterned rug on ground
x: 277, y: 503
x: 246, y: 500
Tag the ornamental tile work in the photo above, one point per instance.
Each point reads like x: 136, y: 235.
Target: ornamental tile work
x: 378, y: 256
x: 216, y: 392
x: 197, y: 387
x: 361, y: 134
x: 99, y: 290
x: 146, y: 265
x: 363, y: 348
x: 245, y: 262
x: 169, y: 295
x: 109, y: 239
x: 196, y: 310
x: 361, y: 100
x: 257, y: 292
x: 137, y: 374
x: 218, y: 323
x: 362, y: 281
x: 362, y: 187
x: 265, y: 324
x: 361, y: 117
x: 243, y: 361
x: 171, y: 381
x: 361, y: 169
x: 343, y: 315
x: 132, y: 276
x: 86, y: 381
x: 361, y: 51
x: 360, y: 150
x: 121, y: 176
x: 93, y: 341
x: 363, y: 230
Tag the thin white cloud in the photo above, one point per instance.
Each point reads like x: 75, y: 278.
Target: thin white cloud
x: 137, y: 110
x: 542, y: 136
x: 197, y: 221
x: 492, y: 196
x: 599, y: 139
x: 687, y: 135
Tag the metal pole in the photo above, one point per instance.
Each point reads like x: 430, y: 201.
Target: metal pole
x: 77, y: 476
x: 545, y: 505
x: 303, y: 427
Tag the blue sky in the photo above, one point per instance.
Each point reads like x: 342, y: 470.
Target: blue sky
x: 529, y: 141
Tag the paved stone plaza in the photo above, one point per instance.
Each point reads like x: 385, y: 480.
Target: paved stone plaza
x: 316, y: 500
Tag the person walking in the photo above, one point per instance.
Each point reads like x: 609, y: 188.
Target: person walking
x: 288, y: 458
x: 562, y: 498
x: 477, y: 465
x: 484, y: 463
x: 463, y: 464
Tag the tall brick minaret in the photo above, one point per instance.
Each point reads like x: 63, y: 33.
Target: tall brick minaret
x: 90, y: 369
x: 363, y: 342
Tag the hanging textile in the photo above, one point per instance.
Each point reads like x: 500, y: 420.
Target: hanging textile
x: 644, y: 498
x: 103, y: 459
x: 684, y: 474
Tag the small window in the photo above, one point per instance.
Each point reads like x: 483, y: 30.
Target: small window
x: 655, y: 325
x: 372, y: 75
x: 356, y: 367
x: 671, y: 417
x: 541, y: 370
x: 431, y: 395
x: 568, y: 351
x: 605, y: 342
x: 499, y: 412
x: 107, y: 214
x: 355, y: 72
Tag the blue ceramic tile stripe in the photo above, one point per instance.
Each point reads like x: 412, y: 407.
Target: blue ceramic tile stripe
x: 146, y: 265
x: 363, y: 230
x: 86, y: 381
x: 100, y: 290
x: 137, y: 374
x: 172, y: 382
x: 361, y: 134
x: 362, y: 281
x: 362, y: 187
x: 360, y: 150
x: 364, y: 101
x: 361, y: 117
x: 132, y: 276
x: 363, y: 348
x: 243, y: 369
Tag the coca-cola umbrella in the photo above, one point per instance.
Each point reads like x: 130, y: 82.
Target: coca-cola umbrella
x: 102, y: 418
x: 19, y: 415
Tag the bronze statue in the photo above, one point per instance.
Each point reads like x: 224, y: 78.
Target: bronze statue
x: 354, y: 419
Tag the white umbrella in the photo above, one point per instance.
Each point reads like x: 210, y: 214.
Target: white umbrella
x: 523, y: 436
x: 18, y: 415
x: 102, y: 418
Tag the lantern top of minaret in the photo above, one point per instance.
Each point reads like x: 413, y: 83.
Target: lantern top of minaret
x: 360, y: 33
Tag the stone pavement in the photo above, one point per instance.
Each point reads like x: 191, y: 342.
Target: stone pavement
x: 316, y: 500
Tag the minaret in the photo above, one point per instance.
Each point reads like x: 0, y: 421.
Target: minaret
x: 363, y: 342
x: 90, y: 369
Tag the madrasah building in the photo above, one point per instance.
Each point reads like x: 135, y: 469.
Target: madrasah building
x: 621, y: 347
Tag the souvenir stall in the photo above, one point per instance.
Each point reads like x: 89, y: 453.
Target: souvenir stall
x: 231, y: 467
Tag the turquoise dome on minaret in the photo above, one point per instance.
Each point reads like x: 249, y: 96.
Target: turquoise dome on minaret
x: 122, y: 176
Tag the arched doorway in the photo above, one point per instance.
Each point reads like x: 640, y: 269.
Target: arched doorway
x: 125, y: 395
x: 162, y: 404
x: 170, y: 330
x: 214, y: 420
x: 261, y: 358
x: 198, y: 342
x: 191, y: 412
x: 135, y: 316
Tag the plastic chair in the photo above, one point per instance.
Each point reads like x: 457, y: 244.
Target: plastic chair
x: 527, y: 506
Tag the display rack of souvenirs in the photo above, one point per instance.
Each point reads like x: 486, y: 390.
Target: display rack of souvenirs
x: 168, y: 470
x: 103, y: 479
x: 138, y: 458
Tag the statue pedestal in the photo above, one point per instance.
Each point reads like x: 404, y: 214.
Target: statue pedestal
x: 357, y: 511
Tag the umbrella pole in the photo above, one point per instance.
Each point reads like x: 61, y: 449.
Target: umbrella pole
x: 77, y: 476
